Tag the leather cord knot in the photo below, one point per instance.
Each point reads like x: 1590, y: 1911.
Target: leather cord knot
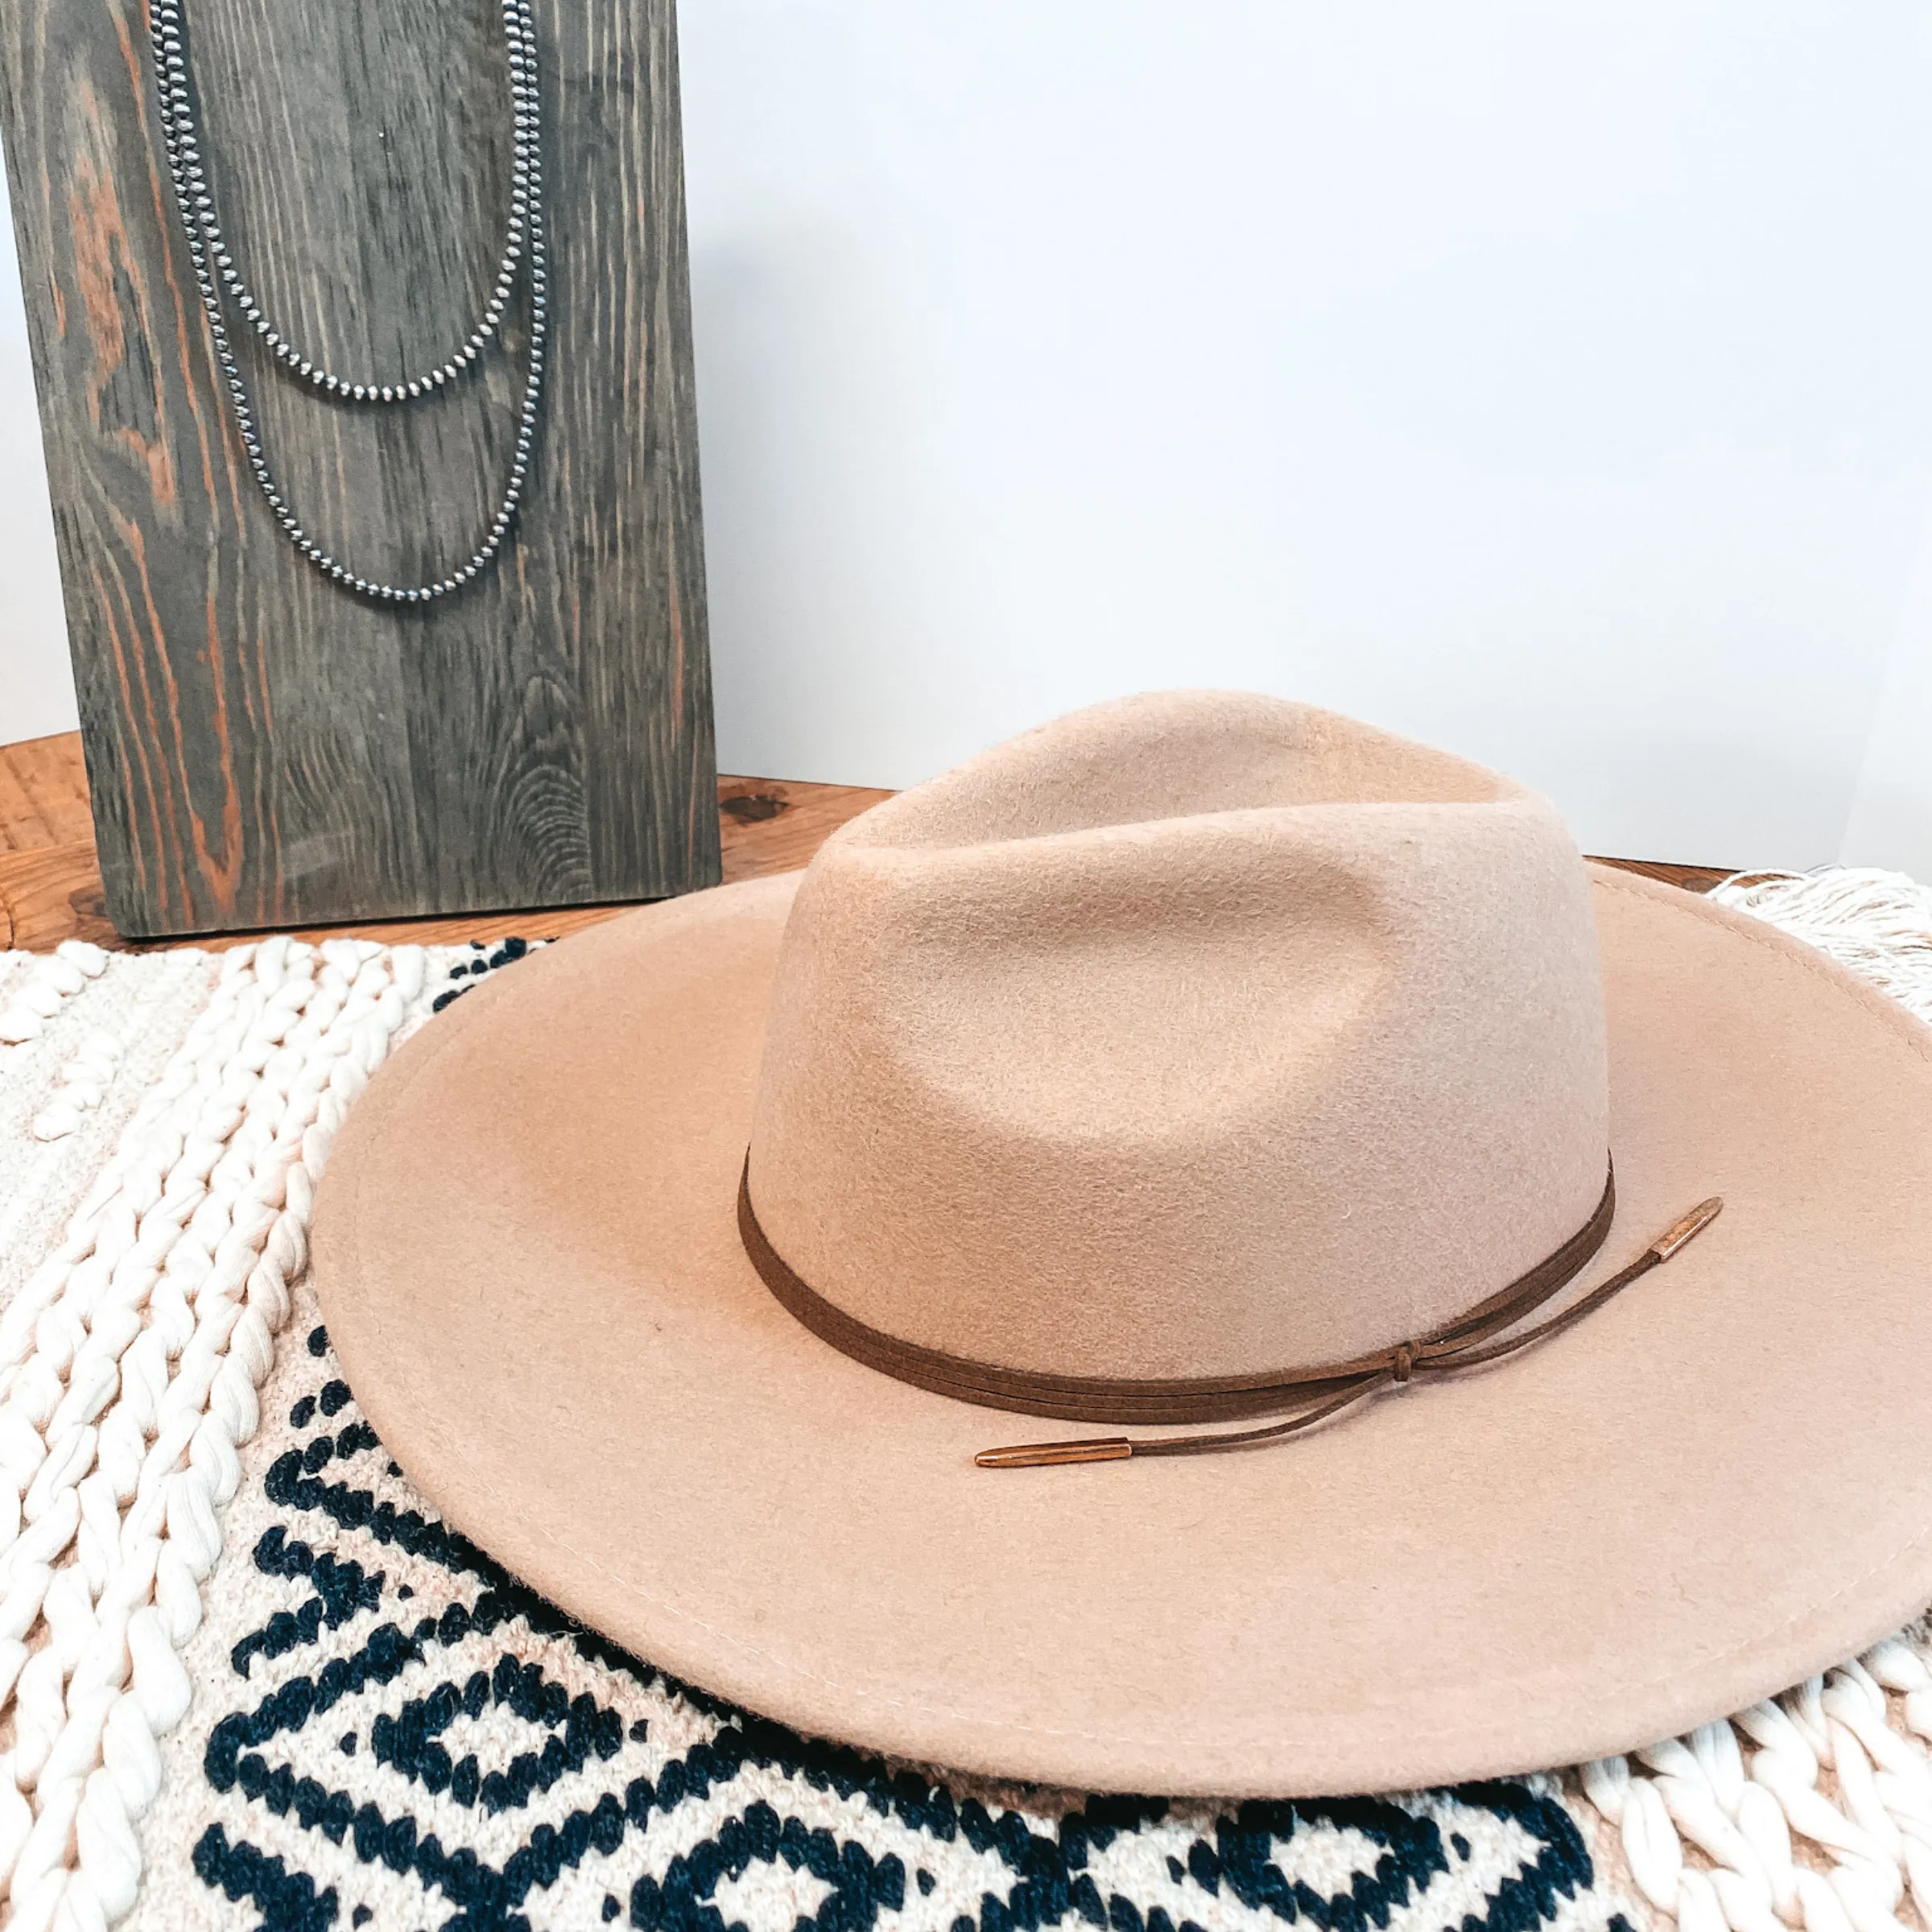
x: 1401, y: 1364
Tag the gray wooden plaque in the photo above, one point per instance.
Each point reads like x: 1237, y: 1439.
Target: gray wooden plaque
x: 264, y: 749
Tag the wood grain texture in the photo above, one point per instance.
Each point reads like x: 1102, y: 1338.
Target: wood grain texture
x: 43, y: 793
x: 1692, y: 879
x: 51, y: 887
x: 265, y: 750
x: 771, y: 825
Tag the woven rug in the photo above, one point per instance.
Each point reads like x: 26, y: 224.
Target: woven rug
x: 248, y: 1679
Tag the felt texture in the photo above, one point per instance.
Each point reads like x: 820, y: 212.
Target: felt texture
x: 336, y: 1713
x: 1712, y: 1488
x: 1195, y: 1034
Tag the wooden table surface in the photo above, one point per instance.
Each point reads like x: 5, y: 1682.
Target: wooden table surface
x: 50, y: 884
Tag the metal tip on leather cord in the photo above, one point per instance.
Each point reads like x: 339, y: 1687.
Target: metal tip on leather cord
x: 1692, y: 1224
x: 1035, y: 1455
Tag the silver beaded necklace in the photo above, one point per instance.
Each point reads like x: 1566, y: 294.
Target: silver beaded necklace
x: 216, y: 269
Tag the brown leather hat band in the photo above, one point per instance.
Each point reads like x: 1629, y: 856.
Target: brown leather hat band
x: 1458, y: 1343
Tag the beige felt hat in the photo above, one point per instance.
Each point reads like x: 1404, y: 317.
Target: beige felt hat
x: 1192, y: 1068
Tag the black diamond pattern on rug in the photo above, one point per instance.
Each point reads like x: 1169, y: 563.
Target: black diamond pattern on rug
x: 413, y: 1738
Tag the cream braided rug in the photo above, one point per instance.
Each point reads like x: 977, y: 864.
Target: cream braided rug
x: 247, y: 1679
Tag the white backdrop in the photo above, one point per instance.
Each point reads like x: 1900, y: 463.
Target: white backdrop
x: 36, y: 691
x: 1549, y: 381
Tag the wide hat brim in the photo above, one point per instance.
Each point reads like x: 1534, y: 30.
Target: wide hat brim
x: 1714, y: 1486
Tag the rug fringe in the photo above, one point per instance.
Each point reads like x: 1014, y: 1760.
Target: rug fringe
x: 129, y: 1363
x: 52, y: 979
x: 1879, y: 924
x: 1813, y: 1810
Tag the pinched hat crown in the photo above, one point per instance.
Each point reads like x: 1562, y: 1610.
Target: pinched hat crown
x: 1193, y: 1074
x: 1194, y: 1035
